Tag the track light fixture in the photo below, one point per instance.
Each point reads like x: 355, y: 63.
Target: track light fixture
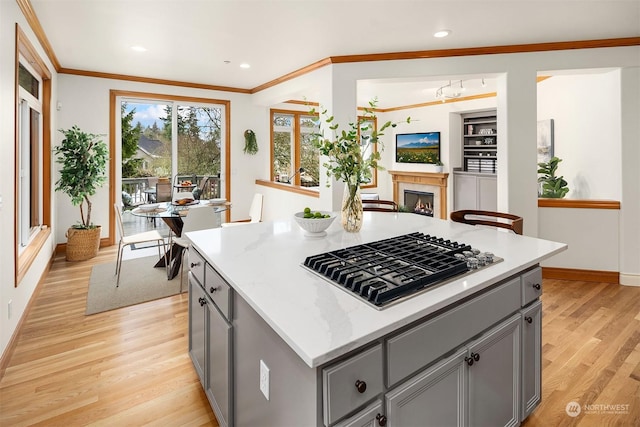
x: 449, y: 91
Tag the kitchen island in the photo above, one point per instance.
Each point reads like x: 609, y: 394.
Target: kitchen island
x: 275, y: 344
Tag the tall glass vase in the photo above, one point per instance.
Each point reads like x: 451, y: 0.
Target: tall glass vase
x: 351, y: 208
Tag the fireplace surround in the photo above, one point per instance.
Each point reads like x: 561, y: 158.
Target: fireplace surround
x: 429, y: 182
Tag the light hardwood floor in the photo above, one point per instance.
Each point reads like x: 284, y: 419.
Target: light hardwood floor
x: 129, y: 367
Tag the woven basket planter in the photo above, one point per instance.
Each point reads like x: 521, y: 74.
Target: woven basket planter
x: 82, y: 244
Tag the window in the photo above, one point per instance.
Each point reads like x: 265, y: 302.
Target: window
x: 165, y: 138
x: 292, y: 152
x: 32, y: 155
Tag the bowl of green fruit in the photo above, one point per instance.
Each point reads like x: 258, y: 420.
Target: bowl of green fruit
x: 314, y: 223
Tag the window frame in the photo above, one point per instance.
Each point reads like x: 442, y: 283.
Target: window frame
x: 296, y: 148
x: 115, y: 96
x: 26, y: 53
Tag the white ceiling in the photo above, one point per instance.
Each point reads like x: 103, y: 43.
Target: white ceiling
x: 192, y: 40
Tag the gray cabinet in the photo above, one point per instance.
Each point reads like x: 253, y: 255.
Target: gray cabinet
x: 351, y: 383
x: 197, y: 336
x: 218, y: 368
x: 475, y: 191
x: 494, y: 376
x: 531, y: 358
x: 436, y: 397
x: 210, y: 336
x: 474, y: 386
x: 371, y: 416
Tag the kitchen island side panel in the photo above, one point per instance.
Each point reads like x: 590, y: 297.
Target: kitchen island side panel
x: 293, y: 386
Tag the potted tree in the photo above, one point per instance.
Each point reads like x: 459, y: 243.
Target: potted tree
x: 84, y: 157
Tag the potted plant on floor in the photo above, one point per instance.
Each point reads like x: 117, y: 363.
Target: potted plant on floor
x: 84, y: 157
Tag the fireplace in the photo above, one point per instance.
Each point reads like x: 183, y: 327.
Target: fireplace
x: 419, y: 202
x: 433, y: 182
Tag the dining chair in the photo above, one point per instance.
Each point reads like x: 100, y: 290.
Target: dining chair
x: 197, y: 218
x: 489, y: 218
x: 255, y: 212
x: 379, y: 205
x: 163, y: 192
x: 144, y: 237
x: 201, y: 189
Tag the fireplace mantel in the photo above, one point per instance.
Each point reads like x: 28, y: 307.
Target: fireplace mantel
x: 421, y: 178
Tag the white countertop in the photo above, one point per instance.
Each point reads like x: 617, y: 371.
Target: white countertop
x: 319, y: 321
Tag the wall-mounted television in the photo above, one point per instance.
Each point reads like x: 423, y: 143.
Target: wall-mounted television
x: 421, y: 147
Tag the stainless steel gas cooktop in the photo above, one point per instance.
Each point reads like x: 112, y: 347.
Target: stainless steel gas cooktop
x: 390, y: 270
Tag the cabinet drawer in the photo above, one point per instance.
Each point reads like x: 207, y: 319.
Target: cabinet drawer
x: 196, y: 265
x: 420, y: 346
x: 531, y: 285
x: 340, y: 383
x: 218, y: 290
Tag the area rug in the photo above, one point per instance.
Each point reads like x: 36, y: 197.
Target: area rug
x: 140, y: 282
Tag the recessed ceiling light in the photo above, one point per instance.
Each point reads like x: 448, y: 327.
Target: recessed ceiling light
x: 139, y: 48
x: 245, y: 65
x: 441, y: 33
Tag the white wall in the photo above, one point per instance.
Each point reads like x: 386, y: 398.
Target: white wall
x: 18, y: 296
x: 85, y: 102
x: 586, y: 113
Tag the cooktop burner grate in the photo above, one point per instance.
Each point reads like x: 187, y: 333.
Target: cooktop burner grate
x: 381, y: 272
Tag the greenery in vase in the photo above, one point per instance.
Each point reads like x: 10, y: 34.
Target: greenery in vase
x: 84, y: 157
x: 346, y: 161
x: 552, y: 186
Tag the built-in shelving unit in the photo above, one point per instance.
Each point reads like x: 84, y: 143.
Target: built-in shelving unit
x: 480, y: 142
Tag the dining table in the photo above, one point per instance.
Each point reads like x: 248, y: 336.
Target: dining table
x: 172, y: 214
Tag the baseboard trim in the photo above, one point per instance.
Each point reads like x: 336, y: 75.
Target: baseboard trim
x: 578, y: 274
x: 630, y: 279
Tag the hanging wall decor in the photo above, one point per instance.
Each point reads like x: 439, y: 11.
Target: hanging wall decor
x: 250, y: 143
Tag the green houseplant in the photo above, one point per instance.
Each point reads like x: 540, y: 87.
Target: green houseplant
x: 84, y: 157
x: 552, y: 186
x: 346, y: 161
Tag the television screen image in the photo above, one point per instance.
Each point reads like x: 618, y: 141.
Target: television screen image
x: 423, y: 147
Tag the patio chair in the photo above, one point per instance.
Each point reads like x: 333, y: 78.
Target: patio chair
x: 144, y: 237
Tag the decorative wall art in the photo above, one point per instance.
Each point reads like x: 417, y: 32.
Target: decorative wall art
x: 545, y: 140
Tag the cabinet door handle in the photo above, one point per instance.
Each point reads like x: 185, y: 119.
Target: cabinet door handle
x: 537, y: 286
x: 212, y: 289
x: 382, y: 420
x: 202, y: 301
x: 528, y: 319
x: 361, y: 386
x: 194, y: 264
x: 473, y: 357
